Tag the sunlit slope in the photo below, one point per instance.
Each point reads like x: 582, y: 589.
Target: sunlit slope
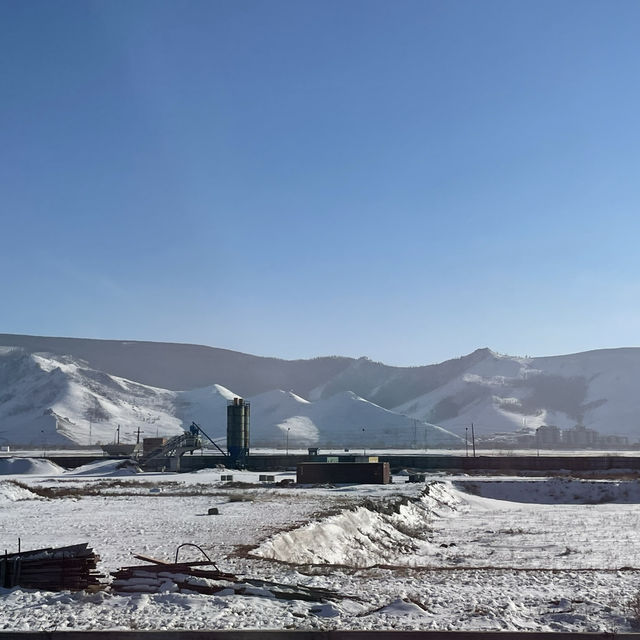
x: 50, y: 399
x: 187, y: 366
x: 344, y: 420
x: 503, y: 393
x: 496, y: 392
x: 56, y: 399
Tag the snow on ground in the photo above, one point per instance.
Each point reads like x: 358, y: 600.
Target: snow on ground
x: 30, y: 466
x: 390, y: 533
x: 106, y: 468
x: 458, y: 553
x: 11, y: 492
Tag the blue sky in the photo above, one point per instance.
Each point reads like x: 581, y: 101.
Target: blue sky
x: 403, y: 180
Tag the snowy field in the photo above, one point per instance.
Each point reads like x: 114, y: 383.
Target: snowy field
x: 456, y: 553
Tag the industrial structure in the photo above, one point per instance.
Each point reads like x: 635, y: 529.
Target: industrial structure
x: 238, y: 421
x: 163, y: 453
x: 167, y: 453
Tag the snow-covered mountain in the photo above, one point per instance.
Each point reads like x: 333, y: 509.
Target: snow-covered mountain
x: 164, y: 386
x: 53, y: 399
x: 56, y: 399
x: 597, y: 389
x: 344, y: 419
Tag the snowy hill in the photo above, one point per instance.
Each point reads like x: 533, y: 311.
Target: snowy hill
x: 186, y: 366
x: 55, y: 400
x: 504, y: 393
x: 172, y: 384
x: 344, y: 419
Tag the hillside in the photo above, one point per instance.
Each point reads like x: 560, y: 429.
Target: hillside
x: 498, y: 393
x: 50, y: 399
x: 186, y: 366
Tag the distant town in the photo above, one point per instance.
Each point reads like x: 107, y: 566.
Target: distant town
x: 578, y: 437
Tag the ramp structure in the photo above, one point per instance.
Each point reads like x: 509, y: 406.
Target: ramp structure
x: 172, y: 450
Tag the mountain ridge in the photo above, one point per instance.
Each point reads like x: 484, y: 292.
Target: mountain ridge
x: 53, y: 399
x: 498, y: 392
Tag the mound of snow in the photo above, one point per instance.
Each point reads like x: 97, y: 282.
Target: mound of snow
x: 11, y: 492
x: 29, y: 466
x: 385, y: 533
x: 403, y: 608
x: 106, y: 468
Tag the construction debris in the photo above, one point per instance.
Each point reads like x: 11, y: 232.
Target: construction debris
x: 205, y: 577
x: 62, y: 568
x: 74, y: 568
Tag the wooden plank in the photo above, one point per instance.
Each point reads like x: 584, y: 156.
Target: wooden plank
x: 139, y: 556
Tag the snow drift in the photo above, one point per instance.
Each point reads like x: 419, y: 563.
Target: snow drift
x: 29, y: 466
x: 393, y: 533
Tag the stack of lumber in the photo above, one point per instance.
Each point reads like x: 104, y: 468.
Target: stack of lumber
x: 206, y: 578
x: 51, y: 569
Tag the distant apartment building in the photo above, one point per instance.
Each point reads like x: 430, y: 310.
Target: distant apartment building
x: 549, y: 436
x: 614, y: 441
x: 580, y: 437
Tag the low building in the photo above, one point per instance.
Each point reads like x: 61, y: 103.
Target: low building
x: 343, y: 473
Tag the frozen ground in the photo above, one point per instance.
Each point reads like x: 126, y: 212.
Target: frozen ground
x: 457, y: 553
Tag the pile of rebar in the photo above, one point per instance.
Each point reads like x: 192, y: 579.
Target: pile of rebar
x: 64, y: 568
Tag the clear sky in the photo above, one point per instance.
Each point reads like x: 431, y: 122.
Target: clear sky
x: 406, y: 180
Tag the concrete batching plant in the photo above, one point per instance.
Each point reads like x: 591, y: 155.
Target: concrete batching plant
x: 238, y: 419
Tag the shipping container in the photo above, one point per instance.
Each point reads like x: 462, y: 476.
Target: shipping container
x: 343, y: 473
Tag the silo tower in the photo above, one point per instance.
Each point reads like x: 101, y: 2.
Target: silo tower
x: 238, y: 418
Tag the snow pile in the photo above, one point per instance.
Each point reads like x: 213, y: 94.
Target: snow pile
x: 389, y: 533
x: 106, y: 468
x: 401, y: 608
x: 29, y: 466
x: 11, y: 492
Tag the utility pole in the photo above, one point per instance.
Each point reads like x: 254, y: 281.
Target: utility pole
x: 364, y: 443
x: 118, y: 432
x: 287, y: 447
x: 473, y: 440
x: 466, y: 441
